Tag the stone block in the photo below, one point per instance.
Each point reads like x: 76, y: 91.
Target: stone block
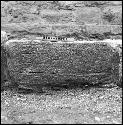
x: 88, y: 15
x: 112, y: 15
x: 57, y: 63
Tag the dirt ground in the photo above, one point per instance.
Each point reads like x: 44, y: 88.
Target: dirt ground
x: 73, y: 106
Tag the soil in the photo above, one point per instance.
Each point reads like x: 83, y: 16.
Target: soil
x: 73, y: 106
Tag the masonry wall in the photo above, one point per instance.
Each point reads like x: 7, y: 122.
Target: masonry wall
x: 81, y: 19
x: 90, y: 20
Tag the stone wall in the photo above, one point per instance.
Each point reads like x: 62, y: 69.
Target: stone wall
x: 85, y: 19
x: 88, y: 20
x: 39, y: 64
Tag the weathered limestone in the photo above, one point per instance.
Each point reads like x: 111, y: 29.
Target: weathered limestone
x: 64, y: 18
x: 4, y: 37
x: 81, y: 20
x: 6, y: 77
x: 112, y: 15
x: 88, y: 15
x: 44, y: 63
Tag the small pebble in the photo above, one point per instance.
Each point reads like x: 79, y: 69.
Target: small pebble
x: 97, y: 118
x: 101, y: 97
x: 115, y: 122
x: 4, y: 117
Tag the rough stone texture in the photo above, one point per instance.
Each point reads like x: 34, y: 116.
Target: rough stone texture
x: 112, y: 15
x: 6, y: 77
x: 89, y: 20
x: 88, y: 15
x: 63, y: 63
x: 3, y: 65
x: 57, y: 17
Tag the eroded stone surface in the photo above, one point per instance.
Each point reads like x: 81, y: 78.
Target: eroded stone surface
x: 82, y: 20
x: 49, y: 63
x: 60, y: 18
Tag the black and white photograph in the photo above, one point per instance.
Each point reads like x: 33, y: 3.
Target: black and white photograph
x: 61, y: 62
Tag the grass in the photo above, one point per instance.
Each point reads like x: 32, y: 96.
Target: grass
x: 73, y: 106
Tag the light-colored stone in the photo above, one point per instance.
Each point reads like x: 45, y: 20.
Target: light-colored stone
x: 97, y: 119
x: 88, y: 15
x: 3, y: 36
x: 49, y: 17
